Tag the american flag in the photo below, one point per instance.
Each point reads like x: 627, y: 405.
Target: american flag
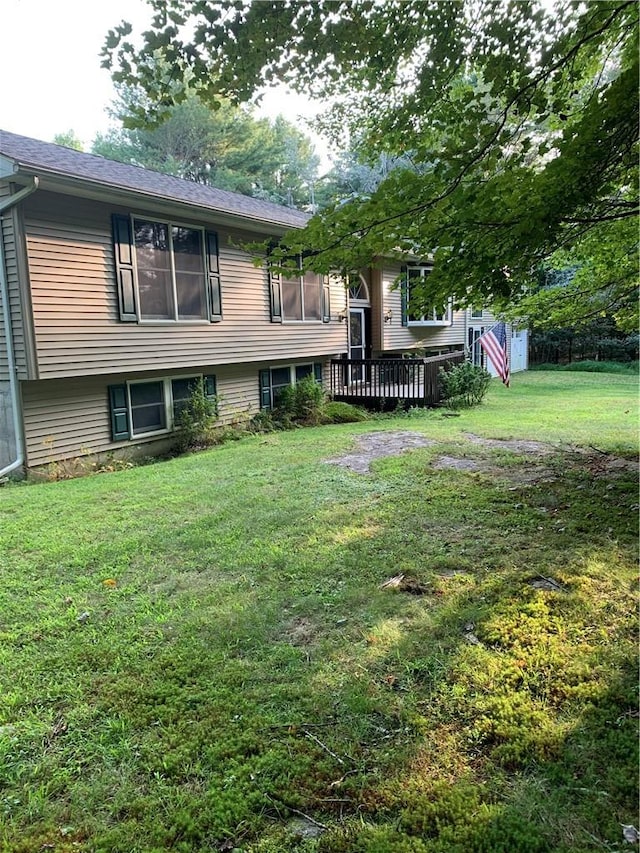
x: 494, y: 343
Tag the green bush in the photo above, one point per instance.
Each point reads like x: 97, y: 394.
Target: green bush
x: 336, y: 412
x: 196, y: 419
x: 262, y: 422
x: 302, y: 403
x: 463, y: 385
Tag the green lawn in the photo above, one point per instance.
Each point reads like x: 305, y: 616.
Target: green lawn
x: 197, y: 654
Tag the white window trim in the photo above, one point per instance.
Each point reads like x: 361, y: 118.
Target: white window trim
x: 447, y: 320
x: 170, y: 223
x: 360, y: 302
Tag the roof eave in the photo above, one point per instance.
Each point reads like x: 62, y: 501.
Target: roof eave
x: 54, y: 179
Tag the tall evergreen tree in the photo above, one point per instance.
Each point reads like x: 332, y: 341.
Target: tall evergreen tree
x: 225, y: 147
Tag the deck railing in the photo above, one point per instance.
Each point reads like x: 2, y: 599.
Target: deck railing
x: 372, y: 380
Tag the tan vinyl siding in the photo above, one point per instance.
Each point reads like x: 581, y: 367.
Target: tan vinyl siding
x: 9, y: 239
x: 440, y: 337
x: 486, y: 319
x: 238, y: 391
x: 377, y: 310
x: 66, y: 418
x: 77, y: 327
x: 394, y: 335
x: 397, y: 337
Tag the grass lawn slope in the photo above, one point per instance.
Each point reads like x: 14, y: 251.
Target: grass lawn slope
x: 203, y: 654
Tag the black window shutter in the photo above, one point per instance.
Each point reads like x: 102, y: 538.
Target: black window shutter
x: 211, y: 390
x: 265, y: 389
x: 404, y: 296
x: 123, y: 256
x: 275, y: 296
x: 213, y: 276
x: 317, y: 371
x: 210, y: 385
x: 326, y: 301
x: 119, y: 413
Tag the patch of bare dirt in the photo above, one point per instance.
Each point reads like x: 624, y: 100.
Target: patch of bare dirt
x: 515, y: 445
x: 603, y: 464
x: 406, y: 583
x: 527, y: 476
x: 444, y: 463
x: 522, y: 475
x: 300, y: 631
x: 377, y: 445
x: 598, y: 461
x: 548, y: 584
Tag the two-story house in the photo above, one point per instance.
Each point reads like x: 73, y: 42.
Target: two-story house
x: 120, y: 285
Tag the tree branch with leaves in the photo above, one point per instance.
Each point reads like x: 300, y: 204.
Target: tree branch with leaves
x: 515, y: 126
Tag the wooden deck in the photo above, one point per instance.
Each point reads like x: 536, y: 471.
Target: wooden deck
x: 386, y: 382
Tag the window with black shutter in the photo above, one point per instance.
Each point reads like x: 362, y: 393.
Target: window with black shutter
x: 140, y: 408
x: 166, y: 271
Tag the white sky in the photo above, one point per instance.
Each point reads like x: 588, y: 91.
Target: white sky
x: 51, y: 75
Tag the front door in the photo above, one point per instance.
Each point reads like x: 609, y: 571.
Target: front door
x: 357, y: 341
x: 474, y: 347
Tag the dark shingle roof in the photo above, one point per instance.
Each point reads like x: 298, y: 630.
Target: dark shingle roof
x: 34, y: 155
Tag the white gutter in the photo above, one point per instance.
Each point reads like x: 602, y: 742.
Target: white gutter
x: 5, y: 204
